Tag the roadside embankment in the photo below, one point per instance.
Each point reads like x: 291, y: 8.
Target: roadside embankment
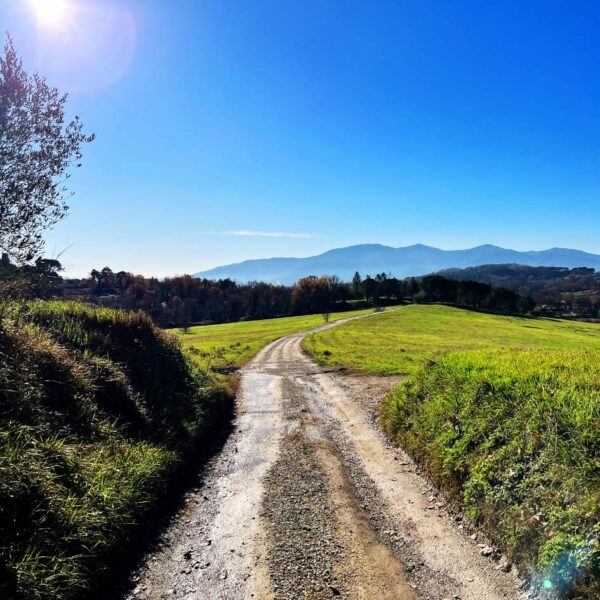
x: 99, y: 411
x: 512, y: 435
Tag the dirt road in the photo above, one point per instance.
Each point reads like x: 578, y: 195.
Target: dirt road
x: 308, y: 500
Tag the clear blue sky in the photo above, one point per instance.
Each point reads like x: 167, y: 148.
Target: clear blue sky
x: 446, y: 123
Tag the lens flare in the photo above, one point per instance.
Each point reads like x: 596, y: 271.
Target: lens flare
x: 50, y: 13
x: 84, y: 47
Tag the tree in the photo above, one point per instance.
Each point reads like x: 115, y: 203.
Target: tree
x: 526, y: 304
x: 472, y: 293
x: 369, y: 287
x: 311, y: 295
x: 503, y: 300
x: 357, y: 285
x: 393, y: 288
x: 37, y: 149
x: 413, y: 288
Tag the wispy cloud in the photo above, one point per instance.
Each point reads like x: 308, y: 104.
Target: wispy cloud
x: 267, y: 234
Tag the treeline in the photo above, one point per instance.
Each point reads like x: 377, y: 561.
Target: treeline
x: 471, y: 294
x: 185, y: 300
x: 555, y: 289
x: 436, y: 288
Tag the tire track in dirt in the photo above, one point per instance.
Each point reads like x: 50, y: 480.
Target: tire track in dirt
x: 319, y: 542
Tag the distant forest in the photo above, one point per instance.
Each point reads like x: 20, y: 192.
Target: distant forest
x: 182, y: 301
x: 556, y: 290
x: 185, y: 300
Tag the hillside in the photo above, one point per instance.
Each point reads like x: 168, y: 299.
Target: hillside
x: 407, y: 261
x: 98, y: 409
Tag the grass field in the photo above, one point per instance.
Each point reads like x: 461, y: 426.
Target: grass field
x: 398, y: 342
x: 230, y: 345
x: 504, y: 414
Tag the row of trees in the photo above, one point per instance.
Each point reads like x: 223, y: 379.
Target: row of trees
x: 557, y: 289
x: 436, y: 288
x: 470, y: 294
x: 179, y: 301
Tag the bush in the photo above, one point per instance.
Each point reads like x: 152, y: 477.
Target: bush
x: 513, y: 435
x: 97, y: 409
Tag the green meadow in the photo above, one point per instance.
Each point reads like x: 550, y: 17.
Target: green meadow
x: 230, y: 345
x: 398, y: 342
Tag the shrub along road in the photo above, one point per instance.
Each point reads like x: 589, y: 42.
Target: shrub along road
x: 308, y: 500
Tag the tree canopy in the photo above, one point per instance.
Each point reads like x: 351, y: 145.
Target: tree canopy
x: 38, y: 147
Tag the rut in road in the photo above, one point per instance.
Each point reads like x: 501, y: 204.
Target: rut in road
x: 307, y: 500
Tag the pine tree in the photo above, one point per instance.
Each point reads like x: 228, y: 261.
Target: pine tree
x: 357, y: 284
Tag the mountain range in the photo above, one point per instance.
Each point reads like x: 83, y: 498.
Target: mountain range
x: 407, y: 261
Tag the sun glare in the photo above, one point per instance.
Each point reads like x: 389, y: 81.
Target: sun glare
x: 50, y: 12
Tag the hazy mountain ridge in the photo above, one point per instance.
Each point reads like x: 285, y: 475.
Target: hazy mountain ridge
x: 405, y: 261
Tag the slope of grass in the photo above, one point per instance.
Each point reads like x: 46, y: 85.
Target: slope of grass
x: 98, y: 409
x: 513, y: 434
x: 230, y: 345
x: 398, y: 342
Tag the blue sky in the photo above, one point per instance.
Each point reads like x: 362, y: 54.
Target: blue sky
x: 446, y: 123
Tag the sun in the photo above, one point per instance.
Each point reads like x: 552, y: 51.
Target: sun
x: 50, y: 13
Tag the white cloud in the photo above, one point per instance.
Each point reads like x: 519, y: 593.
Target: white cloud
x: 268, y: 234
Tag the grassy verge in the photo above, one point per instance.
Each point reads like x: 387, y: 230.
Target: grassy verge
x: 98, y: 411
x: 229, y: 346
x: 504, y: 414
x: 513, y: 434
x: 398, y: 342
